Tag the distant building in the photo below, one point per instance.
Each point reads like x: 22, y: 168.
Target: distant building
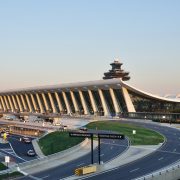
x: 108, y: 97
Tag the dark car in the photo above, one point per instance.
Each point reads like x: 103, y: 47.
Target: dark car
x: 31, y: 153
x: 83, y: 129
x: 26, y: 140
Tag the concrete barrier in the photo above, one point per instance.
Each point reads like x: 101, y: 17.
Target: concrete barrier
x: 169, y: 173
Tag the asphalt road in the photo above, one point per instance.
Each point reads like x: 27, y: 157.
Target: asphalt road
x: 166, y: 155
x: 16, y: 149
x: 109, y: 150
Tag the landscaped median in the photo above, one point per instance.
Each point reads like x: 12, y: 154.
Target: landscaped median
x: 143, y: 136
x: 57, y: 141
x: 2, y: 167
x: 10, y: 175
x: 6, y: 175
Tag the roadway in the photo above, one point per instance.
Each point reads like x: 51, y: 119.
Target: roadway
x: 16, y: 149
x: 166, y: 155
x: 109, y: 150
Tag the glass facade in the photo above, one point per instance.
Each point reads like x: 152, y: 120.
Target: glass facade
x: 79, y: 103
x: 31, y: 103
x: 68, y: 95
x: 88, y: 102
x: 144, y: 104
x: 11, y: 101
x: 37, y: 104
x: 120, y: 99
x: 42, y: 102
x: 15, y: 97
x: 109, y: 102
x: 98, y: 103
x: 8, y: 104
x: 62, y: 102
x: 55, y: 102
x: 48, y: 102
x: 26, y: 105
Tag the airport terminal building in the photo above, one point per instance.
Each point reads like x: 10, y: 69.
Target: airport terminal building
x: 111, y: 96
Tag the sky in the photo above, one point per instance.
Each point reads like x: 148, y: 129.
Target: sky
x: 48, y: 42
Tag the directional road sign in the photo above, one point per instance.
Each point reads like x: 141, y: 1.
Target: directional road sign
x: 111, y: 136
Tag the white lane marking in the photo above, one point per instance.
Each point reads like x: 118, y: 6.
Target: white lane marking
x: 7, y: 149
x: 45, y: 177
x: 160, y: 158
x: 2, y: 154
x: 12, y: 149
x: 33, y: 177
x: 14, y: 155
x: 134, y: 170
x: 111, y: 147
x: 174, y: 150
x: 80, y: 164
x: 102, y: 155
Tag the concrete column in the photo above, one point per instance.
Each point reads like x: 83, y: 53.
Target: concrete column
x: 74, y: 102
x: 23, y: 101
x: 29, y: 104
x: 45, y: 102
x: 115, y: 103
x: 104, y: 104
x: 34, y: 102
x: 52, y: 103
x: 128, y: 101
x: 11, y: 104
x: 85, y: 107
x: 6, y: 102
x: 93, y: 103
x: 40, y: 103
x: 15, y: 102
x: 19, y: 103
x: 66, y: 103
x: 3, y: 104
x: 59, y: 102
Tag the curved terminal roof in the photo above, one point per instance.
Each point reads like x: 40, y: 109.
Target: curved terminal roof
x: 92, y: 85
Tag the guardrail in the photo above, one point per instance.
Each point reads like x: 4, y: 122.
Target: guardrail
x: 168, y: 173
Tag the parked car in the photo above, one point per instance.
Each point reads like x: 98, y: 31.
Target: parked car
x: 83, y: 129
x: 31, y: 153
x: 63, y: 127
x: 26, y: 140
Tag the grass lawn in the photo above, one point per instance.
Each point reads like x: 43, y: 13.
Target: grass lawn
x: 143, y: 136
x: 2, y: 167
x: 7, y: 176
x: 57, y: 141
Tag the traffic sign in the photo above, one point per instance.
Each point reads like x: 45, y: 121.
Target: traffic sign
x: 7, y: 159
x: 78, y: 134
x: 111, y: 136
